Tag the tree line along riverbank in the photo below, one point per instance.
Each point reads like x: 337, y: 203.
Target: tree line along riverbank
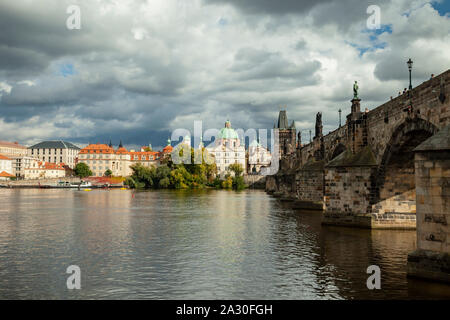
x: 185, y: 176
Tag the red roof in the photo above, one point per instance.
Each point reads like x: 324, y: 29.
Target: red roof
x: 168, y: 149
x: 51, y: 166
x: 11, y: 144
x: 5, y: 174
x: 121, y: 150
x: 105, y: 149
x: 97, y: 148
x: 2, y: 157
x: 144, y: 155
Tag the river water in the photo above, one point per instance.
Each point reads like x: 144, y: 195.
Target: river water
x: 191, y: 245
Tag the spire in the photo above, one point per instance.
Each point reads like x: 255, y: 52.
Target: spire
x: 169, y: 142
x: 293, y: 124
x: 110, y: 143
x: 282, y: 120
x: 120, y: 145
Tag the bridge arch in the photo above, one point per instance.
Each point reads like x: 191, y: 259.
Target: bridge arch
x: 395, y: 190
x: 340, y: 148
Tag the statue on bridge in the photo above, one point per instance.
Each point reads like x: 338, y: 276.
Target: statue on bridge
x: 355, y: 90
x: 299, y: 139
x: 318, y: 125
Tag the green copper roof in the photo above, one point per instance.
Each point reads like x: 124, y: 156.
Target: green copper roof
x: 228, y: 133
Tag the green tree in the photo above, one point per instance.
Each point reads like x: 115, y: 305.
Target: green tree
x: 236, y: 168
x: 180, y: 178
x: 143, y: 176
x: 108, y: 173
x: 238, y: 183
x: 82, y: 170
x: 228, y: 182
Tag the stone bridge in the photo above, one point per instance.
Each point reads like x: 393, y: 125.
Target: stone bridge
x: 363, y: 173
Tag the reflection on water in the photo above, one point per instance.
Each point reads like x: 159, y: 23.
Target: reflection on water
x: 191, y: 245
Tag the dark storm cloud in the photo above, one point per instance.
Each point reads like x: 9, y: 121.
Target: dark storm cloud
x: 33, y: 36
x: 270, y: 6
x: 342, y: 13
x: 22, y: 60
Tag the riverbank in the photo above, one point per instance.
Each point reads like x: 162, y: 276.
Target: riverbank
x: 52, y: 183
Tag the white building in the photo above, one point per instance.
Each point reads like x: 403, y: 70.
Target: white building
x: 258, y: 157
x: 55, y: 152
x: 21, y: 163
x: 6, y: 167
x: 44, y: 170
x: 227, y: 149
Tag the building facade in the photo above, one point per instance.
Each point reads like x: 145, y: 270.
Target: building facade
x: 21, y: 163
x: 44, y: 170
x: 101, y: 157
x: 12, y: 149
x: 146, y: 158
x: 258, y: 157
x: 55, y: 152
x: 227, y: 150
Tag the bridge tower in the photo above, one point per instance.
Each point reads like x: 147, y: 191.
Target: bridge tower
x: 286, y: 135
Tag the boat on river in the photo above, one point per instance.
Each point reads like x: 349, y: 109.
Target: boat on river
x: 67, y: 185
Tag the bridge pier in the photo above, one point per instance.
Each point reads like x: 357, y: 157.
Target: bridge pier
x: 350, y: 195
x: 431, y: 260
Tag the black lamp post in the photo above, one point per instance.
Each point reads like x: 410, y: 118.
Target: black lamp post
x: 340, y: 112
x: 410, y: 64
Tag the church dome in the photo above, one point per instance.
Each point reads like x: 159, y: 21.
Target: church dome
x: 228, y: 132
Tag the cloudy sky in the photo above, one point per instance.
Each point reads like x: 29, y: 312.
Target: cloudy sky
x: 138, y: 69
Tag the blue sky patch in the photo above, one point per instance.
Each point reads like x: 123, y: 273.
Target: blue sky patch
x: 443, y: 7
x: 222, y: 22
x: 66, y: 70
x: 363, y: 50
